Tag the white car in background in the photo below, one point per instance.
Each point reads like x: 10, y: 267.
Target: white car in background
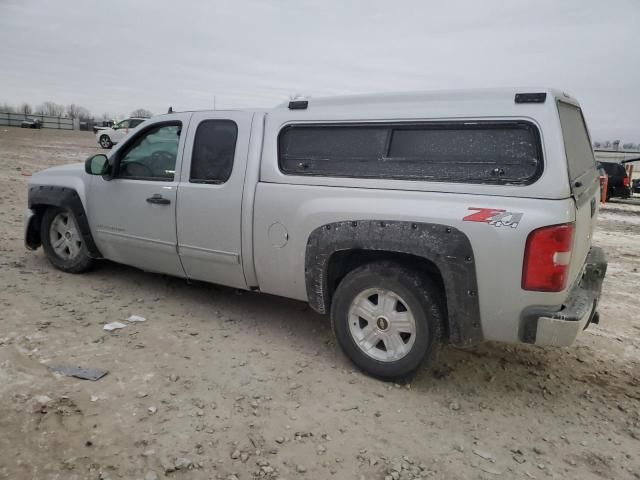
x: 108, y: 137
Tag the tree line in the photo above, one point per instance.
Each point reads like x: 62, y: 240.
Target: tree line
x: 616, y: 145
x: 53, y: 109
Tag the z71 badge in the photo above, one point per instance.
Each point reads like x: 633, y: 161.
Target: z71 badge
x: 494, y: 216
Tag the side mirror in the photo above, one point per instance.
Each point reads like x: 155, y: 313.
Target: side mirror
x: 97, y: 165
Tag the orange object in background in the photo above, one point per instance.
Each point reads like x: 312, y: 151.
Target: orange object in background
x: 604, y: 185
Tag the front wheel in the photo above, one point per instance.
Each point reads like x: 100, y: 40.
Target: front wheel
x: 105, y: 141
x: 62, y: 241
x: 387, y: 319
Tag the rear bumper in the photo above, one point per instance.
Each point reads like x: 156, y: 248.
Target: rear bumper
x: 560, y: 327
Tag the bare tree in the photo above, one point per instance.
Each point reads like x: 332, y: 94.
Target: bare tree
x: 84, y: 114
x: 51, y: 109
x: 6, y: 108
x: 25, y: 109
x: 73, y: 111
x: 76, y: 111
x: 141, y: 112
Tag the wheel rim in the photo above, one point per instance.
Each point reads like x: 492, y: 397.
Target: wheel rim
x: 104, y: 142
x: 64, y: 236
x: 382, y: 324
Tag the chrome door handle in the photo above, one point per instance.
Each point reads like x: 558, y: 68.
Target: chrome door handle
x: 158, y: 199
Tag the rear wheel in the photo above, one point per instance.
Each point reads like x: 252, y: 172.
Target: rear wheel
x: 62, y: 241
x: 387, y: 319
x: 105, y: 141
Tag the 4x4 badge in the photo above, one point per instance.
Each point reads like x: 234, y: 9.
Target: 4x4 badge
x: 494, y: 216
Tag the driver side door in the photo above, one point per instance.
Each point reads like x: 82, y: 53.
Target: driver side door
x: 133, y: 215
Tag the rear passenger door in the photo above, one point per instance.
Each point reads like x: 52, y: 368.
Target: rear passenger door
x: 209, y: 206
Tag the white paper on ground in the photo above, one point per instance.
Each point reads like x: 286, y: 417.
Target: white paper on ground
x: 136, y: 318
x: 113, y: 326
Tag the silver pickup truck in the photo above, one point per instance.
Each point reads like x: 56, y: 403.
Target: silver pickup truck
x: 414, y: 219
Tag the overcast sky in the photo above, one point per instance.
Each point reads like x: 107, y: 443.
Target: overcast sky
x: 113, y: 56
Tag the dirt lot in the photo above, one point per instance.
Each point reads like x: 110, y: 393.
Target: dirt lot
x: 223, y: 384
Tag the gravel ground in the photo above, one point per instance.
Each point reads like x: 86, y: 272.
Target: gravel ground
x: 235, y: 385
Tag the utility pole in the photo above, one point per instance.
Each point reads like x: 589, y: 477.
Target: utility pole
x: 214, y: 102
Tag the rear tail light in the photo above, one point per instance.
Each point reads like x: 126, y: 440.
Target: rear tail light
x: 546, y: 258
x: 625, y: 181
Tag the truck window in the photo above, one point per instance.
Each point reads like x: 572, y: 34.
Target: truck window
x: 213, y: 151
x: 152, y: 155
x: 577, y: 145
x: 474, y: 152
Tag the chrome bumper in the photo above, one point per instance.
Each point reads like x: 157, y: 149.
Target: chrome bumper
x: 560, y: 327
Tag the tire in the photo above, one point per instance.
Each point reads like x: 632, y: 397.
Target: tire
x: 62, y: 242
x: 105, y: 141
x: 363, y: 329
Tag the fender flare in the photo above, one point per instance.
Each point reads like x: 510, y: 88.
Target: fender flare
x: 446, y: 247
x: 41, y: 196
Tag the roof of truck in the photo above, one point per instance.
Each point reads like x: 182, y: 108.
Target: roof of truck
x: 426, y: 96
x: 479, y: 94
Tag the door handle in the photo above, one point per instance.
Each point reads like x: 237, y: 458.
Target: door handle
x: 158, y: 199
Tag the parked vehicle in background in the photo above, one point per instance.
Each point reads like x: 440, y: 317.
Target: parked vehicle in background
x: 109, y: 137
x: 104, y: 125
x: 31, y: 123
x: 413, y: 219
x: 618, y: 182
x: 635, y: 185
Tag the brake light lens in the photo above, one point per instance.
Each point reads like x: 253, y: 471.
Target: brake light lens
x: 546, y: 258
x: 625, y: 181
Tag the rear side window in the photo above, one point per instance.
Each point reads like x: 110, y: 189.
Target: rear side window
x: 213, y: 150
x: 474, y: 152
x: 576, y: 140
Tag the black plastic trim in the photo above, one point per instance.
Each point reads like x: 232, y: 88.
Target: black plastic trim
x: 446, y: 247
x: 531, y: 97
x: 298, y: 104
x: 63, y: 197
